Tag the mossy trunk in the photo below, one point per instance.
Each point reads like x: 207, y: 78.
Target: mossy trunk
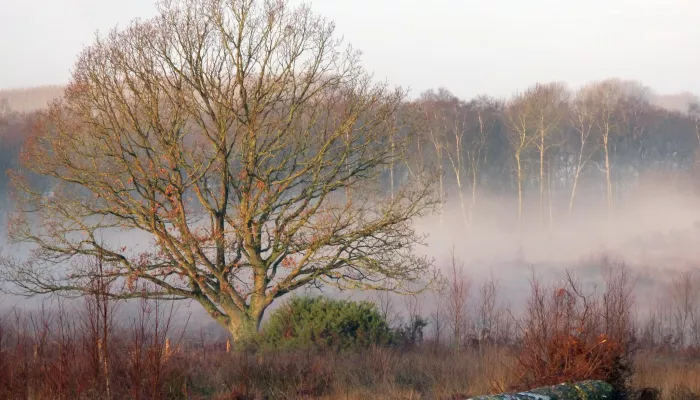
x: 245, y: 328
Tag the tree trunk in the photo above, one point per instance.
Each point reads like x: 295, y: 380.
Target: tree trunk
x: 441, y: 195
x: 245, y: 327
x: 607, y: 176
x: 576, y: 175
x: 573, y: 192
x: 520, y: 190
x: 391, y: 178
x: 461, y: 201
x: 472, y: 204
x: 542, y: 149
x: 391, y: 168
x: 549, y: 195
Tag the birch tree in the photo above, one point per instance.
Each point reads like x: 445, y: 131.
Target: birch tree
x: 582, y: 121
x: 521, y: 136
x: 535, y: 116
x: 454, y: 121
x: 432, y: 106
x: 481, y: 126
x: 549, y: 105
x: 604, y: 98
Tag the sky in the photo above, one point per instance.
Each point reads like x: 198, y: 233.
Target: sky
x: 469, y: 46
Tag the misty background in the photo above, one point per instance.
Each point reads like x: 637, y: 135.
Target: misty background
x: 471, y: 48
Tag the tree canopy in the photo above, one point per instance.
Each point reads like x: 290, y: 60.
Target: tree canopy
x: 245, y: 140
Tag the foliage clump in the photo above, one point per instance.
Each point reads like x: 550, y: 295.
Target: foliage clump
x: 323, y: 323
x: 569, y: 335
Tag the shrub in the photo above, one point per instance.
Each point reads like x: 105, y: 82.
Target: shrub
x: 410, y: 333
x: 569, y: 335
x: 322, y: 323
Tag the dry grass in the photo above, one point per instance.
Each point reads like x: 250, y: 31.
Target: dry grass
x: 62, y: 352
x: 675, y: 375
x: 375, y: 373
x: 57, y: 354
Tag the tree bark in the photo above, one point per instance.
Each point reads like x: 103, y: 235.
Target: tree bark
x: 520, y: 190
x: 245, y: 326
x: 542, y: 150
x: 608, y: 184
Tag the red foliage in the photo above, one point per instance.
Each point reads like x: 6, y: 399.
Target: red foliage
x: 574, y: 336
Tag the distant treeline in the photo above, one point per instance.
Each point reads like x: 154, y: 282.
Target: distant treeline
x: 541, y: 145
x: 546, y: 143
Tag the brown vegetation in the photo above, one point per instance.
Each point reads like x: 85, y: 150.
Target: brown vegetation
x: 568, y: 332
x: 259, y: 166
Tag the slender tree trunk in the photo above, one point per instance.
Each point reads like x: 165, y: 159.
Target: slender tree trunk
x: 697, y: 133
x: 549, y: 194
x: 577, y: 172
x: 573, y: 192
x: 347, y: 188
x: 391, y: 168
x: 607, y: 175
x: 542, y: 149
x: 461, y: 201
x: 520, y: 189
x: 475, y: 167
x: 441, y: 195
x: 472, y: 204
x: 391, y: 178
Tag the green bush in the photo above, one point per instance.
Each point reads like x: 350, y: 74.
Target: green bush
x: 323, y: 323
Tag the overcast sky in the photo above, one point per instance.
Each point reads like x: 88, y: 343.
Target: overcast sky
x: 468, y: 46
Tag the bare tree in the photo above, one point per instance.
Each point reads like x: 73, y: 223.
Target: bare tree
x: 228, y: 134
x: 437, y: 315
x: 549, y: 103
x: 456, y: 126
x: 385, y: 304
x: 478, y: 146
x: 519, y: 115
x: 604, y: 98
x: 434, y: 107
x: 456, y: 304
x: 684, y: 302
x: 582, y: 121
x: 97, y: 319
x: 467, y: 133
x: 489, y: 314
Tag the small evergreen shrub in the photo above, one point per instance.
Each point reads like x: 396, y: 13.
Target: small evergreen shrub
x: 323, y: 323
